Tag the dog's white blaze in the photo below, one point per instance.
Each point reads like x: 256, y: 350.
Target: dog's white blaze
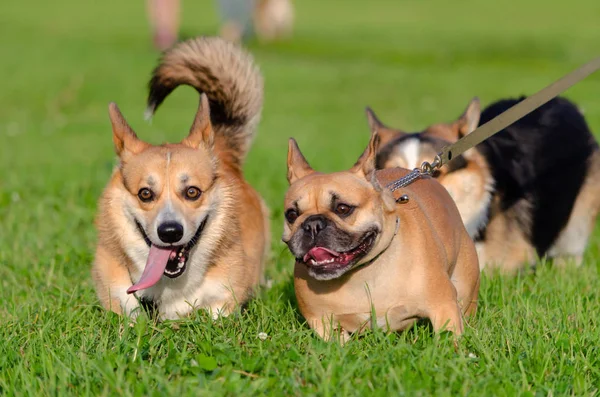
x: 409, y: 150
x: 168, y: 213
x: 169, y: 203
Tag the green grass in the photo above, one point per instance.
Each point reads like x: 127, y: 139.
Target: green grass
x: 414, y: 62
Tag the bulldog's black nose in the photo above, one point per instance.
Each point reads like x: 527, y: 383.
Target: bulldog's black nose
x: 314, y: 224
x: 170, y: 232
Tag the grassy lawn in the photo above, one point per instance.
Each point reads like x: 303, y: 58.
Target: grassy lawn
x: 414, y: 62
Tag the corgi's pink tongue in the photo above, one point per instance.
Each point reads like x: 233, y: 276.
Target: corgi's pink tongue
x: 320, y: 254
x: 155, y: 267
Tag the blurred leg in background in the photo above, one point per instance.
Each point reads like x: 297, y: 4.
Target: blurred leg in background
x: 267, y: 19
x: 164, y: 21
x: 236, y: 18
x: 273, y: 19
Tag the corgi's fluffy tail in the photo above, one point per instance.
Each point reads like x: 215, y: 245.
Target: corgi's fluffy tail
x: 227, y: 75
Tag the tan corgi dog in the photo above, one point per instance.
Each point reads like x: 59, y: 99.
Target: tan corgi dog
x: 178, y: 226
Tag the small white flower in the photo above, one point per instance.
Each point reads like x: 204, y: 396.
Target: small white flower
x: 471, y: 355
x: 262, y: 336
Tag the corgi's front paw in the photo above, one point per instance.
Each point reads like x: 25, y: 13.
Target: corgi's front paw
x: 129, y: 304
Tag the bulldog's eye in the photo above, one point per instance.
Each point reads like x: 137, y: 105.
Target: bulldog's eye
x: 145, y: 195
x: 193, y: 193
x: 343, y: 209
x: 291, y: 215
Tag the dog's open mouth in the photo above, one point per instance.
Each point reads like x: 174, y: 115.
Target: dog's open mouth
x: 169, y: 261
x: 323, y: 261
x: 176, y: 263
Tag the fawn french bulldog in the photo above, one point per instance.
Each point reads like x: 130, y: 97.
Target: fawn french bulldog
x: 362, y: 250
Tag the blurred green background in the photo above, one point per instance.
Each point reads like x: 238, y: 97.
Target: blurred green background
x: 414, y: 62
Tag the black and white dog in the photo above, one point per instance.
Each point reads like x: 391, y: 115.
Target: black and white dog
x: 532, y: 190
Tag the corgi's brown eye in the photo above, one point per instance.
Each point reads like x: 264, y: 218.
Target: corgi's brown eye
x: 145, y: 195
x: 343, y: 209
x: 192, y: 193
x: 291, y: 215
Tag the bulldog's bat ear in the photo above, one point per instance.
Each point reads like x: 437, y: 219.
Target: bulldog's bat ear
x: 126, y: 141
x: 388, y: 198
x: 386, y: 134
x: 469, y: 120
x: 201, y: 130
x: 366, y: 162
x: 297, y: 165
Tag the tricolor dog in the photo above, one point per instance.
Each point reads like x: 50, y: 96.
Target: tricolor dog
x: 532, y: 190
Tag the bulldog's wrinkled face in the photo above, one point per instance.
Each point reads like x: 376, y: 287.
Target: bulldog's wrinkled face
x: 332, y: 222
x: 336, y: 222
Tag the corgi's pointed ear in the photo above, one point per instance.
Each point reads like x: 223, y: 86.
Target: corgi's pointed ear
x: 201, y: 131
x: 366, y: 162
x: 469, y: 120
x: 297, y: 166
x: 386, y: 134
x: 126, y: 141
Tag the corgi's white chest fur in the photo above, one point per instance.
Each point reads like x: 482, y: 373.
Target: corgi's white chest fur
x: 176, y: 297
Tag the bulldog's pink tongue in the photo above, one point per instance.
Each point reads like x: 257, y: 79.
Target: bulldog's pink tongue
x: 155, y: 267
x: 320, y: 254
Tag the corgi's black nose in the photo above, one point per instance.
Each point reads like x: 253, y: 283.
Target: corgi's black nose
x: 170, y: 232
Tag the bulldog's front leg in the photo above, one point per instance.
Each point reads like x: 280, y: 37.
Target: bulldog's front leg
x: 447, y: 317
x: 329, y: 329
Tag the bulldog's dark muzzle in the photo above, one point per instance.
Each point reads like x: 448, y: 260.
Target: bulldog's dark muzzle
x: 314, y: 224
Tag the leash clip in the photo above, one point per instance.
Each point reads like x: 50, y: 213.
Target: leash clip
x: 428, y: 168
x: 425, y: 169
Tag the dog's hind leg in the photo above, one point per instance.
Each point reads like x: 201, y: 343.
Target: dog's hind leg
x: 441, y: 304
x: 570, y: 245
x: 506, y: 248
x: 447, y: 317
x: 329, y: 329
x: 465, y: 277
